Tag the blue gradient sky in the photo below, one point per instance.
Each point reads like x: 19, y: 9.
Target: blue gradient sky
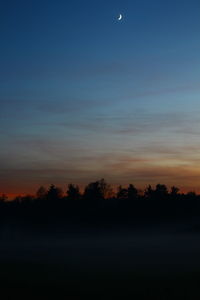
x: 84, y: 96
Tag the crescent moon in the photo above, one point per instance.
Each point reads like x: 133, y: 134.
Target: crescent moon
x: 120, y: 17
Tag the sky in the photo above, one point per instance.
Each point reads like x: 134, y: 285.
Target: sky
x: 84, y: 96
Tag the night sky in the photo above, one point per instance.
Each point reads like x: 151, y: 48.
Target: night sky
x: 84, y: 96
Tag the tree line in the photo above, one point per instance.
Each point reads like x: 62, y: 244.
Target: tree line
x: 101, y: 190
x: 99, y: 203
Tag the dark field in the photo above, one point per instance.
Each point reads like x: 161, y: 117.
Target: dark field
x: 161, y: 262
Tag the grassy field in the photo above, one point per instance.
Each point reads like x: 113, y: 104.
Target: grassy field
x: 39, y: 281
x: 139, y: 265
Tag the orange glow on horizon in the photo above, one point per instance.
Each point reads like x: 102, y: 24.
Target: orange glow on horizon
x: 32, y: 192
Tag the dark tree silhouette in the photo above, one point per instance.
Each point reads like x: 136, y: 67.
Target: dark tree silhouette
x: 160, y: 192
x: 54, y: 193
x: 126, y: 206
x: 106, y: 189
x: 149, y: 192
x: 132, y: 192
x: 174, y: 191
x: 17, y: 199
x: 27, y: 199
x: 41, y: 193
x: 93, y: 191
x: 122, y: 193
x: 73, y: 192
x: 97, y: 190
x: 3, y: 198
x: 191, y: 195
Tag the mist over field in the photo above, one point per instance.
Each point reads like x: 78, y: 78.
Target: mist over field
x: 94, y: 261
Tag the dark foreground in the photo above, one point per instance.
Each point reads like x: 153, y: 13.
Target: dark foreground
x: 153, y: 263
x: 45, y: 282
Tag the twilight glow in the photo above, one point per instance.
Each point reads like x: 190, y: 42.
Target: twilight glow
x: 84, y: 96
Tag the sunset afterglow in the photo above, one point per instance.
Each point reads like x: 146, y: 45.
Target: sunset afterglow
x: 85, y: 97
